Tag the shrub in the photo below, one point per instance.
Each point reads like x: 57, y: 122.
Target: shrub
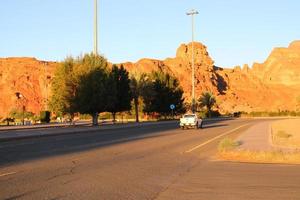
x: 45, y: 116
x: 283, y: 134
x: 202, y: 114
x: 8, y: 120
x: 215, y: 113
x: 227, y: 144
x: 237, y: 114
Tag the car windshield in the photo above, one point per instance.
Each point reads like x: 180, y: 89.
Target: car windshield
x: 189, y: 116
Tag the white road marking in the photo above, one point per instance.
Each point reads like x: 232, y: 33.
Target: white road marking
x: 6, y: 174
x: 213, y: 139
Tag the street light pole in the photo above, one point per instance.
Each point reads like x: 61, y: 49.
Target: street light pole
x: 192, y: 13
x: 95, y: 27
x: 46, y: 87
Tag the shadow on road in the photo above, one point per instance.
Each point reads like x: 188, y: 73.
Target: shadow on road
x: 36, y: 148
x: 214, y: 126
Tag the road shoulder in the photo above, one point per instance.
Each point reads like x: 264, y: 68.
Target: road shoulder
x: 256, y: 145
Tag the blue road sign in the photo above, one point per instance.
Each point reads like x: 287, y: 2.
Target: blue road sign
x: 172, y: 106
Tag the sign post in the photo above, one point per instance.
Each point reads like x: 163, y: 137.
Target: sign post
x: 172, y: 107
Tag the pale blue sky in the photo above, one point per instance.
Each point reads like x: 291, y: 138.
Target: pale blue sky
x: 235, y: 31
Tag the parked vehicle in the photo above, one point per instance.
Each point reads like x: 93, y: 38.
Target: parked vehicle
x: 190, y: 121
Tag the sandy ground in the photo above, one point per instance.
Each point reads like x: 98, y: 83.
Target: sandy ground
x: 258, y: 147
x: 286, y: 133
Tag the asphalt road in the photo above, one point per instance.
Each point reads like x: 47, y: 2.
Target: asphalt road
x: 151, y: 162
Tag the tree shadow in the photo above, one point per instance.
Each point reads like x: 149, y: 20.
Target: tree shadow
x: 36, y: 148
x: 221, y: 83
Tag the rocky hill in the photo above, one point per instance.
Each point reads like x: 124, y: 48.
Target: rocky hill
x: 270, y: 86
x: 29, y: 77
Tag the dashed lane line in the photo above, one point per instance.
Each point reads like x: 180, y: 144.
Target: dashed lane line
x: 213, y: 139
x: 7, y: 174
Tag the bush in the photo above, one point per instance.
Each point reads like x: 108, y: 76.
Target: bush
x: 8, y: 120
x: 215, y: 113
x: 227, y: 144
x: 283, y: 134
x: 45, y: 116
x: 237, y: 114
x: 202, y: 114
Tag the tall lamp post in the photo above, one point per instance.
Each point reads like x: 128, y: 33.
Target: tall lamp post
x: 95, y: 27
x: 192, y: 13
x: 46, y: 87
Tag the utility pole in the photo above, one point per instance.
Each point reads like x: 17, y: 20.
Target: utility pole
x: 192, y: 13
x: 95, y: 27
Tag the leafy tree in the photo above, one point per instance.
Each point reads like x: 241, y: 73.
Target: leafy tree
x: 165, y: 90
x: 90, y: 97
x: 118, y: 91
x: 208, y: 100
x: 68, y: 81
x: 63, y: 88
x: 90, y: 77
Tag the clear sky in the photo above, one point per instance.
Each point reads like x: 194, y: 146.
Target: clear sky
x: 235, y: 31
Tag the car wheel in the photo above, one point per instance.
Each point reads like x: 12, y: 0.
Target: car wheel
x: 182, y: 127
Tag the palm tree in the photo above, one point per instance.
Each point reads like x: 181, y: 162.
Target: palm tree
x: 137, y: 83
x: 208, y: 100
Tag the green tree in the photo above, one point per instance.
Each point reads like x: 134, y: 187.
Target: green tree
x: 63, y: 88
x: 68, y: 83
x: 89, y: 77
x: 164, y: 91
x: 90, y: 97
x: 208, y: 100
x: 118, y: 91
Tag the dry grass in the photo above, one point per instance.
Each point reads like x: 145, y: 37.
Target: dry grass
x: 260, y: 157
x: 286, y: 133
x: 227, y: 150
x: 227, y: 144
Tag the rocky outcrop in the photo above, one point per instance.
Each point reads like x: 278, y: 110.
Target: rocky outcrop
x: 270, y: 86
x: 27, y: 76
x: 180, y: 67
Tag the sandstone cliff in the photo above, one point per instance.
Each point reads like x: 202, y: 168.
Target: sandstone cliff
x: 270, y: 86
x: 273, y: 85
x: 28, y: 76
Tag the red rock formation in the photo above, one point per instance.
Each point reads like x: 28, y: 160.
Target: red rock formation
x: 27, y: 76
x: 270, y: 86
x: 273, y: 85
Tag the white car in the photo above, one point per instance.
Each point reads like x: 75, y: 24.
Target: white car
x: 190, y: 121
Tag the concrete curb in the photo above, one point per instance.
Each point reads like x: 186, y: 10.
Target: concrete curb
x: 23, y: 133
x: 72, y: 130
x: 63, y: 125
